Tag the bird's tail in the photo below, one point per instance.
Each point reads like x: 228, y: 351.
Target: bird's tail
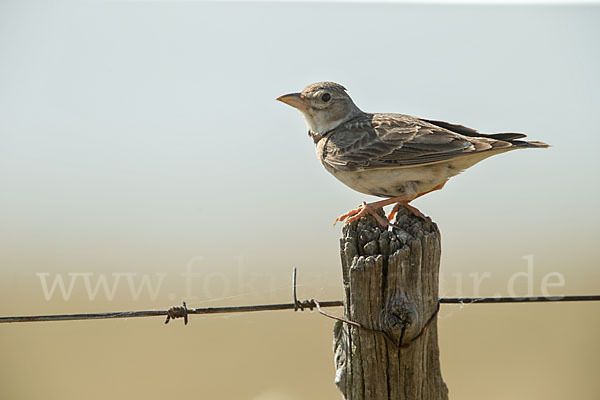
x: 510, y: 137
x: 513, y: 139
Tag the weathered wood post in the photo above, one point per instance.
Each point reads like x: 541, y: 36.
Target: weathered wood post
x: 391, y: 290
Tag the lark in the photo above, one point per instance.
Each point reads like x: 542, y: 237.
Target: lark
x: 393, y: 156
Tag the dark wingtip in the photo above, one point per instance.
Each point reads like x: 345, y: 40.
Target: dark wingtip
x: 539, y: 144
x: 507, y: 136
x: 532, y: 144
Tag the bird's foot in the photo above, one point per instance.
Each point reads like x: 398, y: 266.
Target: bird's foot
x: 412, y: 209
x: 361, y: 211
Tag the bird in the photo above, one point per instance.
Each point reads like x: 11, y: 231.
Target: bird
x: 396, y: 157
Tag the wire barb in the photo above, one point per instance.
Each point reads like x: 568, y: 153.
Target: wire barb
x: 300, y: 305
x: 296, y: 303
x: 178, y: 312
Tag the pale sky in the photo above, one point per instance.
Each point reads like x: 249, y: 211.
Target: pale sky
x: 142, y: 134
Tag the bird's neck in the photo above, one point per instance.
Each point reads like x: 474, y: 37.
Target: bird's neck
x: 318, y: 135
x: 319, y: 126
x: 319, y: 122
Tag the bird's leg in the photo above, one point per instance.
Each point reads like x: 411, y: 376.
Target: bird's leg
x: 412, y: 209
x: 371, y: 208
x: 438, y: 187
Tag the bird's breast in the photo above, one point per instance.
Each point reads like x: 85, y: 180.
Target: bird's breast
x: 392, y: 182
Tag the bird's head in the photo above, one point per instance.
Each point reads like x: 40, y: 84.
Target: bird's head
x: 324, y: 105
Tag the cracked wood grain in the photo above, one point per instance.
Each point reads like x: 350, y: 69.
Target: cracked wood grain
x: 390, y: 284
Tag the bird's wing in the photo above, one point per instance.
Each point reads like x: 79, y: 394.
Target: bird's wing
x: 376, y: 141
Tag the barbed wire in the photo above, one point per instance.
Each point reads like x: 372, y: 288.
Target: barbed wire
x: 184, y: 312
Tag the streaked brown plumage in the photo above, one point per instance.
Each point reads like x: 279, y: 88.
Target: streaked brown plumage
x: 395, y: 156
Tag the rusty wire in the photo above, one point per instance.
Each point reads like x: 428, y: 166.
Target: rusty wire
x: 183, y: 311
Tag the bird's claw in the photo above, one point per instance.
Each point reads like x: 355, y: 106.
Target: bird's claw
x: 359, y: 212
x: 352, y: 215
x: 412, y: 209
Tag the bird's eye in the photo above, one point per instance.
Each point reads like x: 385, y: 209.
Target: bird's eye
x: 326, y: 97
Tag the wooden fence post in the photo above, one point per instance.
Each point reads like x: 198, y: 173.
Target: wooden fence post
x: 391, y: 289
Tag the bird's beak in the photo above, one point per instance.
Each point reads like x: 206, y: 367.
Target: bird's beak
x: 294, y: 100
